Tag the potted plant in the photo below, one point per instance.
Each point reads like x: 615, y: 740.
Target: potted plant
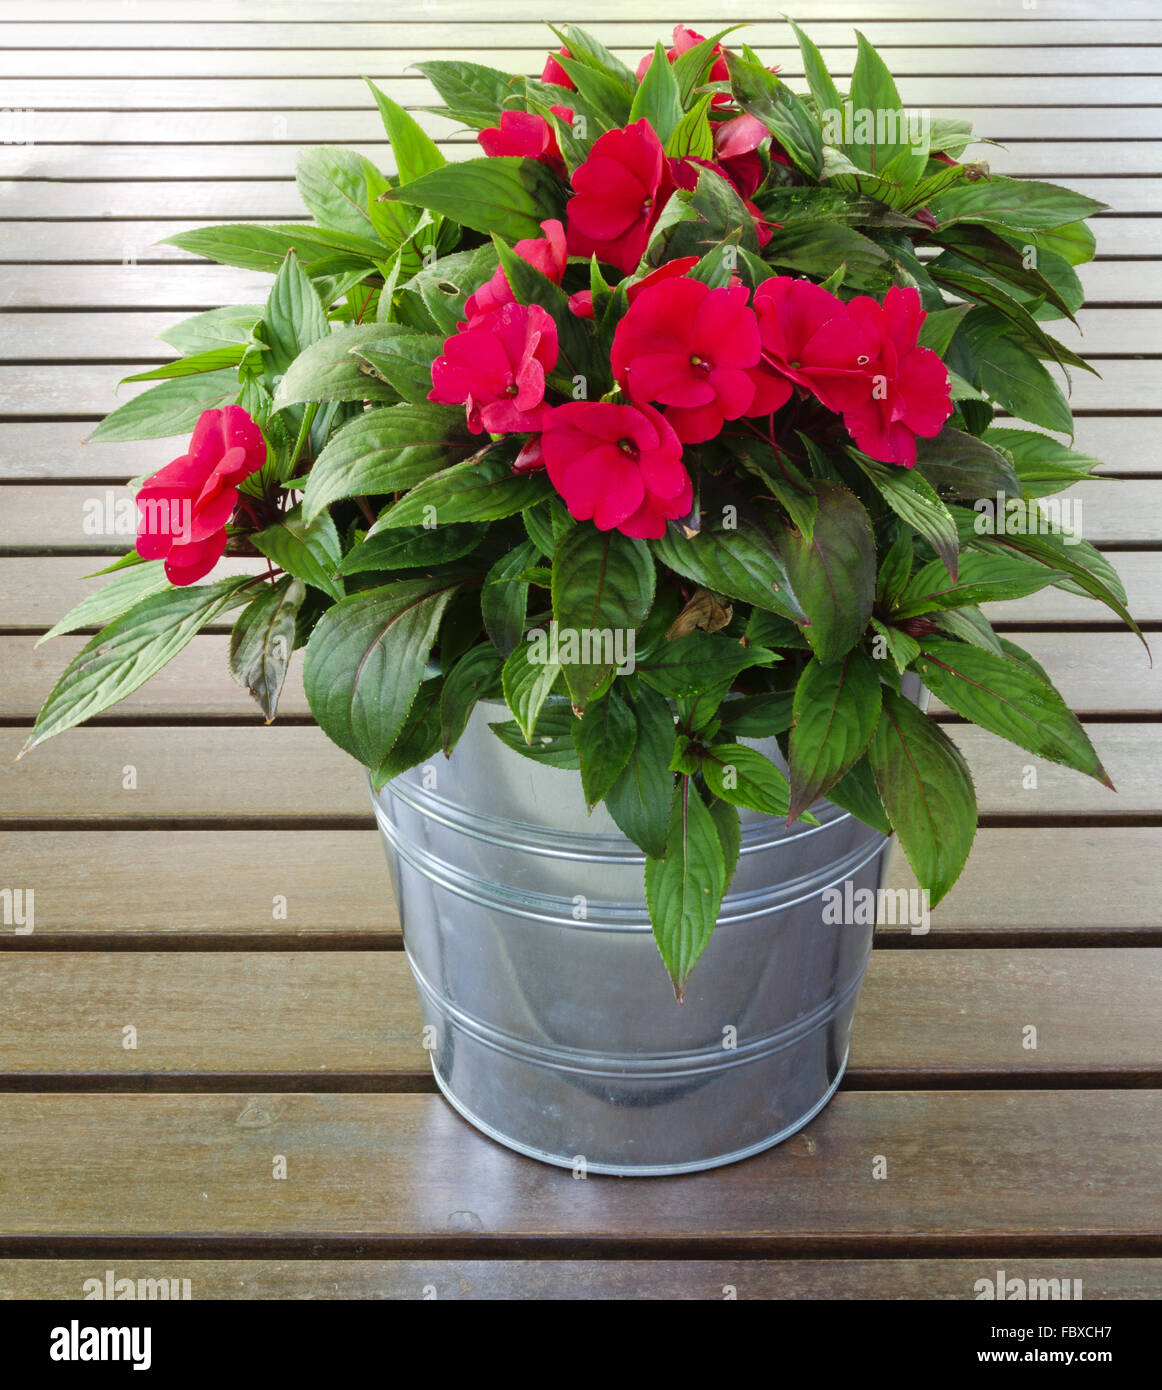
x: 627, y: 485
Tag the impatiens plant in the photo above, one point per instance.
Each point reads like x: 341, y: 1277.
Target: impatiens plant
x: 670, y: 418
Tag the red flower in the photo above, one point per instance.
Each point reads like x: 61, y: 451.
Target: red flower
x: 185, y: 506
x: 620, y: 190
x: 547, y: 254
x: 553, y: 71
x: 496, y: 366
x: 692, y: 349
x: 909, y: 390
x: 684, y: 40
x: 617, y: 465
x: 527, y: 134
x: 809, y: 339
x: 736, y: 144
x: 581, y: 303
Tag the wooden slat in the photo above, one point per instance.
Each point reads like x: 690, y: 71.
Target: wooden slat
x: 46, y: 449
x: 298, y: 93
x: 33, y: 519
x: 93, y: 390
x: 233, y: 61
x: 97, y: 887
x: 196, y: 683
x: 198, y: 285
x: 150, y: 885
x: 293, y: 775
x: 968, y: 1172
x: 1053, y: 159
x: 599, y: 12
x: 623, y: 1280
x: 349, y: 126
x: 35, y: 591
x: 133, y: 336
x: 626, y: 35
x: 355, y: 1015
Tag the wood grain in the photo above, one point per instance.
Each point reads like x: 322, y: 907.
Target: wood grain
x: 197, y: 684
x: 621, y: 1280
x: 351, y: 1019
x: 293, y: 776
x: 968, y: 1173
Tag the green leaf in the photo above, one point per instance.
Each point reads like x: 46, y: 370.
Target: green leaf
x: 972, y: 247
x: 726, y: 822
x: 504, y: 194
x: 692, y: 136
x: 900, y: 647
x: 757, y: 716
x: 476, y: 676
x: 172, y: 407
x: 263, y: 639
x: 404, y: 359
x: 309, y: 550
x: 123, y: 656
x: 529, y: 675
x: 605, y: 738
x: 698, y: 662
x: 415, y: 152
x: 418, y: 738
x: 605, y: 96
x: 479, y: 489
x: 1044, y: 465
x: 895, y: 569
x: 742, y: 563
x: 333, y: 183
x: 253, y: 247
x: 385, y: 450
x: 365, y: 660
x: 1020, y: 204
x: 970, y: 625
x: 684, y: 889
x: 833, y: 575
x: 982, y: 577
x: 586, y: 49
x: 856, y: 792
x: 760, y: 93
x: 960, y: 465
x: 552, y: 744
x: 503, y: 601
x: 212, y: 360
x: 294, y: 318
x: 329, y: 370
x: 639, y: 800
x: 926, y: 788
x: 411, y: 548
x: 473, y: 93
x: 816, y: 248
x: 835, y: 714
x: 874, y: 91
x: 823, y: 89
x: 915, y: 501
x: 1009, y: 699
x: 744, y: 777
x: 121, y: 593
x: 603, y: 588
x: 546, y: 523
x: 938, y: 327
x: 657, y: 98
x: 1011, y: 376
x: 215, y: 328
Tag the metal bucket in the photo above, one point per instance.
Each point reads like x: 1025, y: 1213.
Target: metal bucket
x: 550, y: 1019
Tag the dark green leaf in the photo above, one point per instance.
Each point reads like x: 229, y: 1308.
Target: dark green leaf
x: 476, y: 676
x: 605, y: 739
x: 744, y: 777
x: 835, y: 714
x: 263, y: 639
x: 309, y: 550
x: 504, y: 600
x: 505, y: 195
x: 926, y: 788
x: 483, y: 489
x: 639, y: 800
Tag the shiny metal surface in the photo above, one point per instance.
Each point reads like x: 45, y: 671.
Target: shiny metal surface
x: 551, y: 1021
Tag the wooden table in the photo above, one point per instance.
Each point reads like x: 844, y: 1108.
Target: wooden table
x: 161, y: 842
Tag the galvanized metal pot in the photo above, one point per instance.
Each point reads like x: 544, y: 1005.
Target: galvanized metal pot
x: 552, y: 1024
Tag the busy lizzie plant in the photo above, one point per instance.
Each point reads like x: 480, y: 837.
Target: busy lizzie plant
x: 669, y: 417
